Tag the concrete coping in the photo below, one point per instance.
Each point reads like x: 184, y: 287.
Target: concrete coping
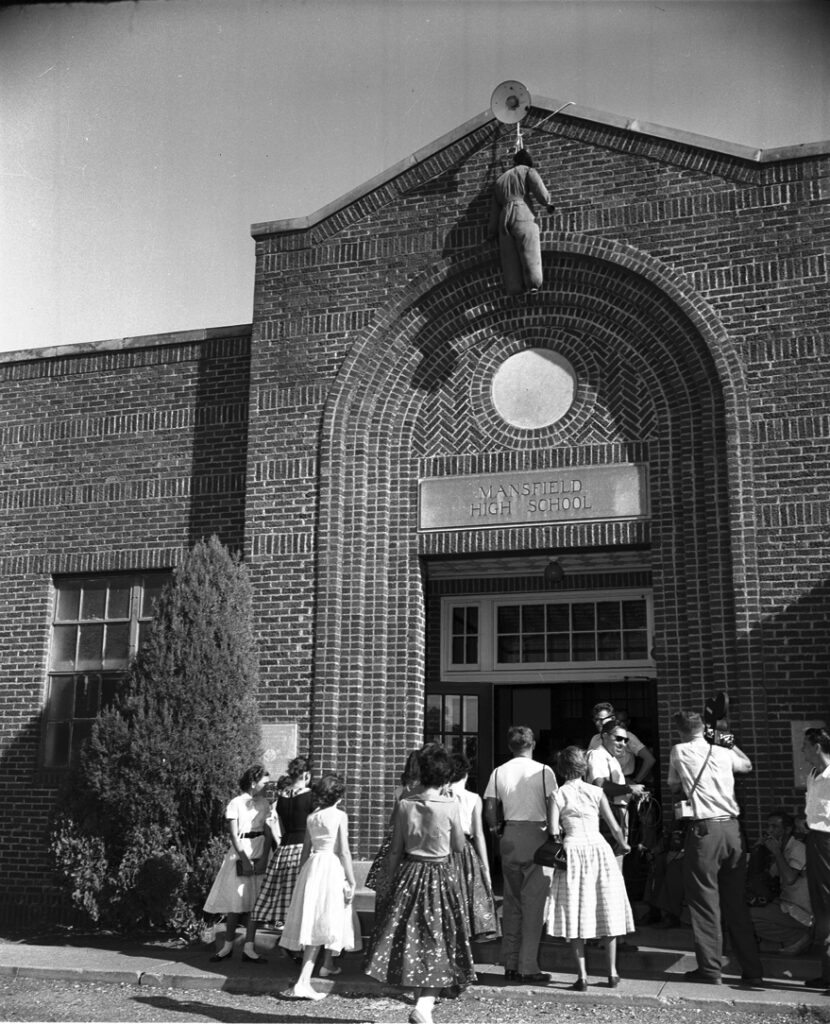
x: 91, y: 348
x: 550, y: 108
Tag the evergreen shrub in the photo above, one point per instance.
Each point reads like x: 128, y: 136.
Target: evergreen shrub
x: 141, y: 831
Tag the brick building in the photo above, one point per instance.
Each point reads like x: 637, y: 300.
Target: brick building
x: 460, y: 508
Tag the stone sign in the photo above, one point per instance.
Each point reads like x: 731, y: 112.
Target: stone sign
x: 279, y: 745
x: 577, y: 494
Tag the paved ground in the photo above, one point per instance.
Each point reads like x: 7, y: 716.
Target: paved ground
x: 79, y: 976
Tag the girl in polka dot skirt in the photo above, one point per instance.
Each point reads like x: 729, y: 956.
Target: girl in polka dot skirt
x: 421, y: 938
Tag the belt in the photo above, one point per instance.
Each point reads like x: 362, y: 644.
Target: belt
x: 427, y: 860
x: 724, y: 817
x: 524, y: 821
x: 251, y: 835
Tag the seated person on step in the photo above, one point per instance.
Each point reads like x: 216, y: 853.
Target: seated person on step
x: 783, y: 923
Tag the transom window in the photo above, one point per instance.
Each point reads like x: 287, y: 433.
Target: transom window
x: 512, y: 637
x: 98, y: 624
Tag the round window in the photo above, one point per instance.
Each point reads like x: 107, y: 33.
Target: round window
x: 533, y: 388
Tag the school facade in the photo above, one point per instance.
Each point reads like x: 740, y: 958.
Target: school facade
x: 460, y: 509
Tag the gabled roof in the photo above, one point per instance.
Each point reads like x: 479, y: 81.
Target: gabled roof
x: 549, y: 108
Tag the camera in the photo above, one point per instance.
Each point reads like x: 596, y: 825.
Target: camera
x: 715, y: 724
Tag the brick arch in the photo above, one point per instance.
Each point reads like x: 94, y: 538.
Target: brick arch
x: 403, y: 405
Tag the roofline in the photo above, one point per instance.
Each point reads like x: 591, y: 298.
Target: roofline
x: 571, y: 110
x: 91, y: 348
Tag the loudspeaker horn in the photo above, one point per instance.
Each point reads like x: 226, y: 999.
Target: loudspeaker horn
x: 510, y: 102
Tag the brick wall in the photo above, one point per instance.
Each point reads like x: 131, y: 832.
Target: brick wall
x: 687, y: 288
x: 111, y: 460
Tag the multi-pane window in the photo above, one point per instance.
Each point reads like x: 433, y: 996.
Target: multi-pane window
x: 501, y: 636
x: 583, y: 631
x: 464, y: 635
x: 98, y: 624
x: 452, y: 719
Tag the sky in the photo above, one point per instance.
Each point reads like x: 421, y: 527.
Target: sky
x: 139, y: 141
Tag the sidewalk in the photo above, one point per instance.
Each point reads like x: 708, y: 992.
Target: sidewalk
x: 651, y: 976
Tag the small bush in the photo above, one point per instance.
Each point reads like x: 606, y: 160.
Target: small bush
x: 139, y: 841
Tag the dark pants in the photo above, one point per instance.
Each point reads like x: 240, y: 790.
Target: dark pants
x: 714, y: 874
x: 818, y: 883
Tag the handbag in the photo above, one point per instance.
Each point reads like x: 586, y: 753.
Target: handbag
x: 551, y: 854
x: 499, y: 829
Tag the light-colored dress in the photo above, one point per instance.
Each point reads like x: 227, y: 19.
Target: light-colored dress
x: 318, y: 914
x: 230, y: 893
x: 588, y: 899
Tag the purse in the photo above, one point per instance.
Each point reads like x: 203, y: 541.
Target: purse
x: 552, y: 854
x: 246, y: 872
x: 499, y: 830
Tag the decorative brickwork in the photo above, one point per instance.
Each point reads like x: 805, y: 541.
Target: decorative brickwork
x: 688, y: 288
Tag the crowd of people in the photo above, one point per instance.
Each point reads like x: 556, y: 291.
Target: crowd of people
x: 289, y: 865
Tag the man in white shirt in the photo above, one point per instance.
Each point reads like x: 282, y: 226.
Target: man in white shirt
x: 816, y: 750
x: 635, y: 749
x: 785, y: 923
x: 605, y: 771
x: 714, y: 862
x: 525, y: 790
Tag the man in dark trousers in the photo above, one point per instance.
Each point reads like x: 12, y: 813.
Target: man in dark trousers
x: 525, y: 789
x: 714, y: 864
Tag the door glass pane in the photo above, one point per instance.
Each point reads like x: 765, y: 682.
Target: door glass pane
x: 63, y: 646
x: 90, y: 647
x: 433, y: 715
x: 470, y: 714
x: 452, y: 713
x: 94, y: 600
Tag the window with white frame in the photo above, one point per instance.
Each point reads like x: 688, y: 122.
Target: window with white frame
x: 516, y: 636
x: 98, y: 624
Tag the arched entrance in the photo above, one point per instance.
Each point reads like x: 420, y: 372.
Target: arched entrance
x: 655, y: 386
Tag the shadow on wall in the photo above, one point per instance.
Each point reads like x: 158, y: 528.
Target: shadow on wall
x: 220, y: 443
x: 794, y: 649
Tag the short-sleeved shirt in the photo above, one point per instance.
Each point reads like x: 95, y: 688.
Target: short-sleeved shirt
x: 427, y: 823
x: 293, y: 811
x: 795, y: 898
x: 467, y: 802
x: 249, y: 812
x: 628, y: 759
x: 522, y: 785
x: 714, y: 795
x: 602, y: 765
x: 817, y: 807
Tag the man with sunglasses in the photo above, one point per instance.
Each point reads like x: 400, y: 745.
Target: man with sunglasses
x: 636, y: 760
x: 605, y: 771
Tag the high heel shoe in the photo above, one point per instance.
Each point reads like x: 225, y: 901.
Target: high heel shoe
x: 329, y: 972
x: 613, y: 980
x: 253, y: 959
x: 217, y: 958
x: 580, y: 985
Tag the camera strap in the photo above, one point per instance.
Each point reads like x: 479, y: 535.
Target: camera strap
x: 694, y: 784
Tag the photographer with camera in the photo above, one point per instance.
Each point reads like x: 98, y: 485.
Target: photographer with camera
x: 702, y: 774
